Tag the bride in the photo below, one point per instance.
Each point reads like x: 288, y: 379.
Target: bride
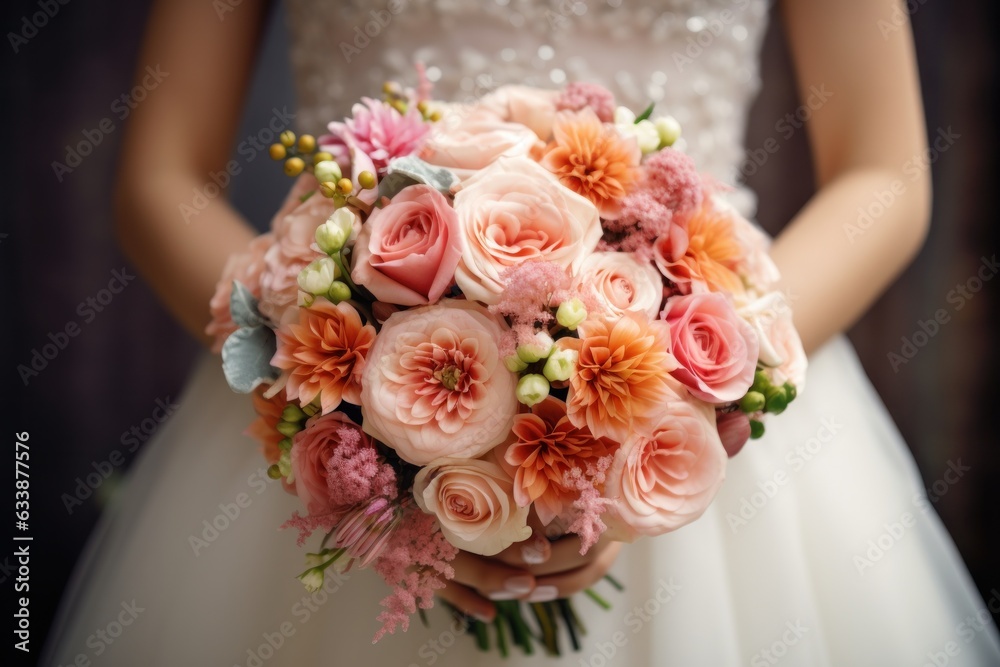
x: 819, y: 550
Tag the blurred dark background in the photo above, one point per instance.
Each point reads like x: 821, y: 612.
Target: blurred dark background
x: 97, y: 397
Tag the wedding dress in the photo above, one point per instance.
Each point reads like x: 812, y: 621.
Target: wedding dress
x: 821, y: 548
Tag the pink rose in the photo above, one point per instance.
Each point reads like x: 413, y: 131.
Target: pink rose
x: 470, y: 138
x: 716, y: 349
x: 407, y: 252
x: 664, y: 479
x: 312, y: 449
x: 245, y: 267
x: 623, y: 283
x: 436, y: 385
x: 515, y: 211
x: 473, y: 501
x: 532, y: 107
x: 293, y: 249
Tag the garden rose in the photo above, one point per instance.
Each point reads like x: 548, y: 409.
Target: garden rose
x: 473, y: 500
x: 770, y: 316
x: 533, y: 107
x: 470, y: 138
x: 312, y: 449
x: 622, y: 283
x: 716, y: 349
x: 515, y: 211
x: 437, y: 385
x: 245, y: 267
x: 407, y: 252
x: 664, y: 479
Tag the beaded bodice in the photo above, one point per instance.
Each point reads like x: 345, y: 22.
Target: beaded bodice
x: 696, y: 59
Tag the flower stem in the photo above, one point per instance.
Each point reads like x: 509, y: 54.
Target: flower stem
x: 597, y: 598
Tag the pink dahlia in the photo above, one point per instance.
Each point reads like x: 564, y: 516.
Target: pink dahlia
x: 381, y: 132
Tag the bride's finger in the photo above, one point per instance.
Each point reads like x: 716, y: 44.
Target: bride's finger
x: 468, y: 601
x: 567, y: 583
x: 492, y: 578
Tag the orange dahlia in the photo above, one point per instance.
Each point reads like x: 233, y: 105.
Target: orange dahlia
x: 623, y: 374
x: 592, y: 159
x: 707, y: 257
x: 548, y: 446
x: 264, y: 429
x: 323, y: 354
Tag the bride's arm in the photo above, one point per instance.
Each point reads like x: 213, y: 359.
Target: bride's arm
x: 179, y: 134
x: 867, y: 138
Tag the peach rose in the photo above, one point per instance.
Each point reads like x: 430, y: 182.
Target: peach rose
x: 246, y: 267
x: 664, y: 479
x: 407, y: 252
x: 623, y: 283
x: 473, y: 501
x: 515, y: 211
x: 470, y: 138
x: 312, y: 448
x: 716, y: 349
x: 436, y: 385
x: 294, y: 235
x: 533, y: 107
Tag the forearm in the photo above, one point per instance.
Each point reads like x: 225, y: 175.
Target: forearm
x: 836, y: 260
x: 181, y: 260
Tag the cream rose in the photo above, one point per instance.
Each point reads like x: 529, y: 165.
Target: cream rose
x: 623, y: 283
x: 533, y: 107
x: 515, y: 211
x: 666, y: 478
x: 473, y: 501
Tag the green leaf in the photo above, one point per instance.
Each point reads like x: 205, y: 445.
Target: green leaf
x: 645, y: 114
x: 246, y: 358
x: 405, y: 171
x: 243, y: 306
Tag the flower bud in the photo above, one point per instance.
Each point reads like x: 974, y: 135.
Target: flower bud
x: 322, y: 156
x: 312, y: 579
x: 571, y: 313
x: 285, y: 466
x: 514, y: 363
x: 752, y: 402
x: 307, y: 143
x: 294, y: 166
x: 647, y: 136
x: 339, y: 291
x: 536, y: 350
x: 669, y: 130
x: 287, y: 138
x: 777, y: 400
x: 366, y: 180
x: 315, y: 560
x: 345, y: 186
x: 288, y: 429
x: 328, y: 171
x: 277, y: 152
x: 318, y: 276
x: 624, y: 116
x: 305, y: 299
x: 333, y: 234
x: 560, y: 365
x: 532, y: 389
x: 293, y: 413
x: 756, y: 429
x: 790, y: 391
x: 274, y: 472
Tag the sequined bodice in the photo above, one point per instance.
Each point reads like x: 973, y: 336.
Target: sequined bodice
x: 696, y: 59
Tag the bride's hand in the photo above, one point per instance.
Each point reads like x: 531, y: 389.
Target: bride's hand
x: 534, y: 570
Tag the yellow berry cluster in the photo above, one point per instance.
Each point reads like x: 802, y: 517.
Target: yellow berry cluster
x: 394, y: 96
x: 299, y: 155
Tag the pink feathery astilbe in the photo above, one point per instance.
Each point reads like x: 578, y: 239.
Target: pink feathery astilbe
x: 580, y: 94
x: 591, y: 503
x: 382, y: 132
x: 416, y: 541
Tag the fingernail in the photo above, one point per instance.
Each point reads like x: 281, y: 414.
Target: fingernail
x: 543, y: 594
x: 519, y: 585
x: 536, y: 551
x: 504, y: 595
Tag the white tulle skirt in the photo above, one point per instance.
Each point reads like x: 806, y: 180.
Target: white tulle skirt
x: 821, y: 549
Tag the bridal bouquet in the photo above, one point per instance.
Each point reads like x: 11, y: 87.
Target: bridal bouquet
x: 469, y: 317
